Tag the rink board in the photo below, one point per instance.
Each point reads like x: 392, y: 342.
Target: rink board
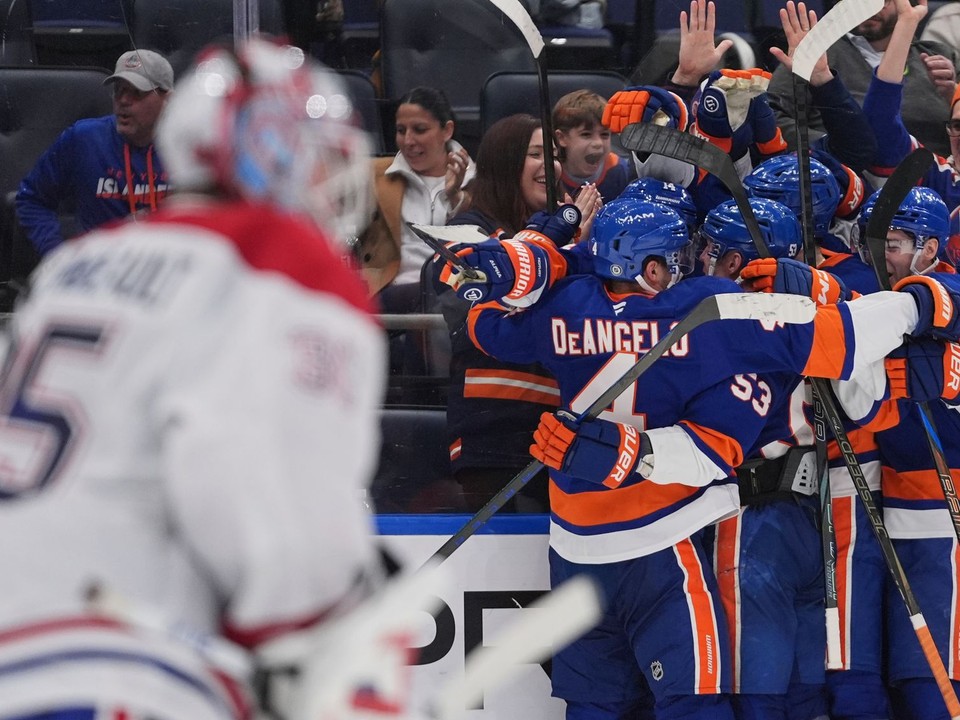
x: 496, y: 573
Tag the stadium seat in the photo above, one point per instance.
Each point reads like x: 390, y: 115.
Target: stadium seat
x: 506, y: 93
x: 179, y: 28
x: 29, y: 123
x: 364, y: 97
x: 452, y: 45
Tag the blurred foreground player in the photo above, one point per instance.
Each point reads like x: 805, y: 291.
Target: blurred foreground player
x: 190, y: 413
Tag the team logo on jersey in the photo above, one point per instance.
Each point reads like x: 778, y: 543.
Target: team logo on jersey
x: 656, y: 669
x: 473, y: 294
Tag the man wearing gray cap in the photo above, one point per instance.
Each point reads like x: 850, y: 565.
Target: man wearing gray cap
x: 107, y: 167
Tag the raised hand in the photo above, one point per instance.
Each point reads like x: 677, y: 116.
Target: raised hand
x: 797, y: 21
x: 453, y: 180
x: 698, y: 52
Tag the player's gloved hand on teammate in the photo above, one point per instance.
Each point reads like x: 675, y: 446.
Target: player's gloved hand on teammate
x: 646, y: 104
x: 852, y: 191
x: 731, y: 111
x: 599, y: 451
x: 562, y: 227
x: 937, y: 299
x: 785, y: 275
x: 924, y: 370
x: 511, y: 271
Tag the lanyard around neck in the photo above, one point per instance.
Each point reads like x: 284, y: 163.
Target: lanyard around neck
x: 131, y: 184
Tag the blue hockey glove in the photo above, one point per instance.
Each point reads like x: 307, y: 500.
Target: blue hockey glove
x: 766, y: 133
x: 513, y: 272
x: 924, y: 370
x: 721, y: 108
x: 852, y: 191
x: 937, y: 301
x: 599, y: 451
x: 785, y: 275
x: 647, y: 104
x: 562, y: 227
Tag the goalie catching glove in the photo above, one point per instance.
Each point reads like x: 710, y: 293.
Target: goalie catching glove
x: 599, y: 451
x: 785, y: 275
x: 924, y: 370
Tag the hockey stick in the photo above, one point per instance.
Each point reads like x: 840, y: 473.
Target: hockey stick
x: 907, y: 174
x: 828, y: 534
x: 731, y: 306
x: 556, y: 619
x: 519, y: 16
x: 917, y: 620
x: 830, y: 28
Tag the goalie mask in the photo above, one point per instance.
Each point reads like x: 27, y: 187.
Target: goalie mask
x: 922, y: 215
x: 778, y: 178
x: 268, y: 124
x: 724, y: 230
x: 633, y: 231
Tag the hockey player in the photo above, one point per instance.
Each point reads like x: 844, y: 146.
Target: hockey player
x: 915, y: 511
x: 882, y: 106
x: 768, y: 558
x: 190, y: 413
x: 630, y: 493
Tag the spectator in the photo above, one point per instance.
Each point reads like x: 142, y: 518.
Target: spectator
x: 102, y: 168
x: 583, y: 144
x: 424, y: 183
x: 493, y: 407
x: 855, y: 56
x: 220, y: 378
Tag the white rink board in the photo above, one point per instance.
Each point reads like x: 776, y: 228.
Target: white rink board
x: 496, y: 572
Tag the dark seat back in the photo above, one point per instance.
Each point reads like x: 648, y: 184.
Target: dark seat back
x: 364, y: 96
x: 29, y: 123
x: 452, y: 45
x: 507, y: 93
x: 17, y: 48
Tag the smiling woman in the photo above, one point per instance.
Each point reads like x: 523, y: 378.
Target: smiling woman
x: 425, y: 183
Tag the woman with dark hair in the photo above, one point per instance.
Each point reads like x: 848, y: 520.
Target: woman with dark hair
x: 494, y: 407
x: 425, y: 183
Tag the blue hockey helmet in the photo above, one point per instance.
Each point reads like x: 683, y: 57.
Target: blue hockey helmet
x: 725, y: 229
x: 670, y: 194
x: 922, y: 215
x: 633, y: 231
x: 778, y: 178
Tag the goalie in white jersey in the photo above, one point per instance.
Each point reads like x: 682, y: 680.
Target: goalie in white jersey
x: 189, y: 409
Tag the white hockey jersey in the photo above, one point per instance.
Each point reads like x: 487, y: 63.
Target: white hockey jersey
x: 188, y: 417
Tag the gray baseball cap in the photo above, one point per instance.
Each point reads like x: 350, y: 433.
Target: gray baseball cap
x: 144, y: 69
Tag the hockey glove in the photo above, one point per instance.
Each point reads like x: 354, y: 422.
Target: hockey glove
x: 785, y: 275
x: 766, y: 133
x: 722, y: 107
x: 562, y: 227
x: 924, y: 370
x: 647, y: 104
x: 851, y: 185
x: 512, y: 271
x: 598, y: 451
x: 937, y: 305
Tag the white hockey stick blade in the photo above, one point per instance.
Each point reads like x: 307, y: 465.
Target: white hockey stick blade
x: 842, y: 17
x: 455, y: 233
x: 519, y: 16
x: 555, y: 620
x: 771, y: 307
